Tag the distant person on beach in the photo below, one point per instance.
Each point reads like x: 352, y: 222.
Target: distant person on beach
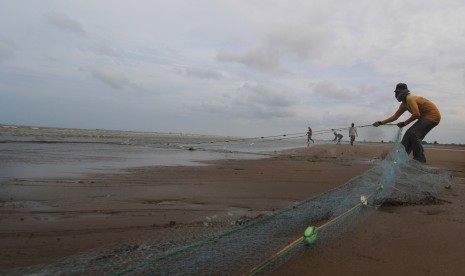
x: 309, y: 136
x: 338, y: 137
x: 425, y: 113
x: 352, y: 134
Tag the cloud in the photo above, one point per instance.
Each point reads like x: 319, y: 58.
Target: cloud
x: 258, y: 94
x: 331, y: 90
x: 6, y: 49
x: 285, y: 41
x: 297, y: 41
x: 64, y: 23
x: 112, y: 77
x: 202, y: 73
x: 260, y: 101
x: 106, y: 50
x: 256, y: 58
x: 250, y: 101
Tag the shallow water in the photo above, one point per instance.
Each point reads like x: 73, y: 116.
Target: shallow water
x: 29, y: 160
x: 29, y: 152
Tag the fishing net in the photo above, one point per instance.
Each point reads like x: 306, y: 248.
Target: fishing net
x: 229, y: 246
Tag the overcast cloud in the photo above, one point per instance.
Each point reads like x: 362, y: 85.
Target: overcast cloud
x: 64, y: 23
x: 246, y: 68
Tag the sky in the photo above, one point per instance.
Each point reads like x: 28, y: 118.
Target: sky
x: 229, y: 67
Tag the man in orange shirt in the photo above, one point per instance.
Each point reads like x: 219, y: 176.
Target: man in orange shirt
x: 425, y: 113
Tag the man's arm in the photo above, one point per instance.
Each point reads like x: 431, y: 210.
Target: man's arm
x: 402, y: 108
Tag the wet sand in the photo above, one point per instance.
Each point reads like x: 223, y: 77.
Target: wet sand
x: 42, y: 220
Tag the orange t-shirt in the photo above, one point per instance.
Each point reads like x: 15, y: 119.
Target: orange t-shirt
x: 420, y: 108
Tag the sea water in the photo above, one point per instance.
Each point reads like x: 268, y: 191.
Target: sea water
x: 33, y: 152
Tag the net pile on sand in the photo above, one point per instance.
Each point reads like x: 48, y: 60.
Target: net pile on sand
x: 218, y: 247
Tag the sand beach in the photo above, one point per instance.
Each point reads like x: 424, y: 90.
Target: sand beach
x: 43, y: 220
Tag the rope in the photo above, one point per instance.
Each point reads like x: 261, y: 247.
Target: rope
x: 275, y: 137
